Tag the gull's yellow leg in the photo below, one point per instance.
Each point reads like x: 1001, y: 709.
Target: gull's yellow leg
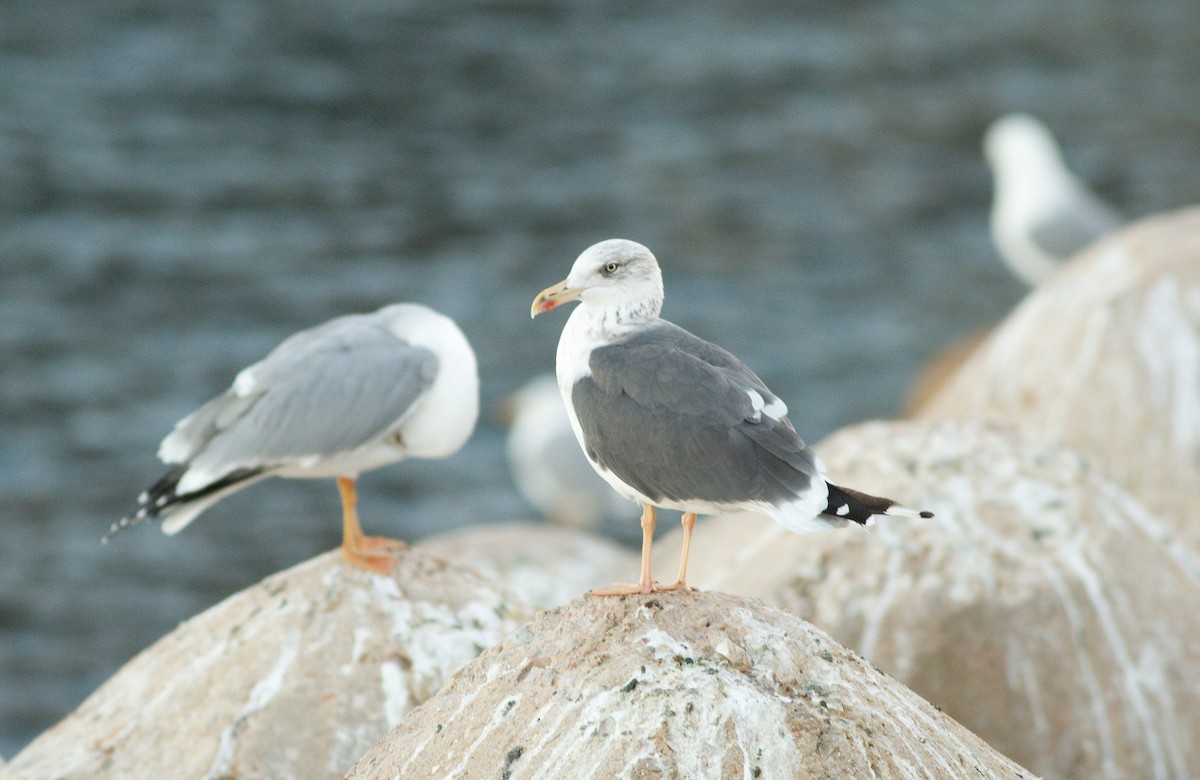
x: 689, y: 524
x: 645, y: 584
x: 373, y: 553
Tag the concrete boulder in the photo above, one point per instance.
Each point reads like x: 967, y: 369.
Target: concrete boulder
x: 695, y: 685
x: 544, y: 565
x: 293, y: 677
x: 1043, y: 607
x: 1104, y: 358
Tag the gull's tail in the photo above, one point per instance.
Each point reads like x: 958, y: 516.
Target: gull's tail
x: 161, y: 500
x: 862, y: 508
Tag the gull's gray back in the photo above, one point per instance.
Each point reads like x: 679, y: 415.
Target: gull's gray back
x: 672, y: 416
x: 321, y: 392
x: 1074, y: 226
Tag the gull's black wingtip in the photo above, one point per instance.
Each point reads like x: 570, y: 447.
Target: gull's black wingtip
x: 926, y: 514
x: 123, y: 523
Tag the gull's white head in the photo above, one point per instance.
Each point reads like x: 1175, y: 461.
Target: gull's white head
x: 1021, y: 145
x: 617, y: 274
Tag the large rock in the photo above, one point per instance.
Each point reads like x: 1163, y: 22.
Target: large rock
x: 294, y: 677
x: 680, y: 685
x: 1104, y: 358
x: 940, y: 369
x: 1040, y: 608
x: 545, y: 566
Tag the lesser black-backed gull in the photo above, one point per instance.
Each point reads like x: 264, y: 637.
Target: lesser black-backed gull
x: 672, y: 421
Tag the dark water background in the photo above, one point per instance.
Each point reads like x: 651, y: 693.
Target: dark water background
x: 182, y: 184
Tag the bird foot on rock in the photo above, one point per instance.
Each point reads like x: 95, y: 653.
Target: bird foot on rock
x: 374, y: 553
x: 626, y: 589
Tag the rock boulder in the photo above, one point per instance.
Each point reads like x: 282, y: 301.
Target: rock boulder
x: 1043, y: 607
x: 695, y: 685
x: 293, y: 677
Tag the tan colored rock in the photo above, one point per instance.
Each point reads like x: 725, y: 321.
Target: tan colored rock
x: 1104, y: 358
x: 681, y: 685
x: 544, y: 565
x: 293, y: 677
x: 939, y: 369
x: 1040, y: 608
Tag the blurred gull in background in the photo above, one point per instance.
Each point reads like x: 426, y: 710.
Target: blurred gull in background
x: 351, y: 395
x: 1041, y: 214
x: 549, y: 469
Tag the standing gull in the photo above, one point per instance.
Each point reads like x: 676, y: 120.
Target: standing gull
x: 670, y: 420
x: 350, y: 395
x: 1041, y: 214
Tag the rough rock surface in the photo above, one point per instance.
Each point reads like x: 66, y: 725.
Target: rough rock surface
x: 682, y: 685
x: 294, y: 677
x: 1104, y: 358
x: 545, y: 566
x: 1040, y: 607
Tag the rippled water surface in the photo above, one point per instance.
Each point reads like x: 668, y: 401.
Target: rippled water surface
x: 183, y: 184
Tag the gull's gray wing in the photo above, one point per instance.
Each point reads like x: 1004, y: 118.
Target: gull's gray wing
x: 677, y: 417
x: 1074, y: 226
x: 321, y: 392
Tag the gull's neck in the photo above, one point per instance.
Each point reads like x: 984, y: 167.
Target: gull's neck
x: 593, y: 325
x: 1034, y: 181
x: 598, y: 322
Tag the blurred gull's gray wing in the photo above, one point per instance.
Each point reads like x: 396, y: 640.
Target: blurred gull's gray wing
x: 321, y: 392
x: 1074, y: 226
x: 676, y: 417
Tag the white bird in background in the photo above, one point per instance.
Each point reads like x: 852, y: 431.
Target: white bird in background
x: 549, y: 469
x: 1041, y: 214
x: 348, y: 396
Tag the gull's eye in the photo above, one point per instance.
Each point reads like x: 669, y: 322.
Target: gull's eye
x: 611, y: 269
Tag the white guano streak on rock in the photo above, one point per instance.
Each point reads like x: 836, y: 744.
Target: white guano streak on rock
x: 926, y: 722
x: 1137, y: 712
x: 1104, y: 736
x: 397, y: 696
x: 594, y: 710
x: 463, y: 701
x: 362, y: 635
x: 549, y: 732
x: 439, y: 639
x: 1020, y: 676
x: 764, y: 635
x: 664, y: 646
x: 1076, y: 372
x: 972, y: 553
x: 653, y: 756
x: 1168, y: 343
x: 502, y: 709
x: 881, y: 606
x: 261, y: 694
x: 597, y: 707
x: 1123, y: 514
x: 1021, y: 670
x: 1116, y: 506
x: 166, y: 689
x: 753, y: 713
x: 894, y: 710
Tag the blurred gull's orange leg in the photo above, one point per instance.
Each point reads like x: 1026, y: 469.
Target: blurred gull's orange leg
x: 373, y: 553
